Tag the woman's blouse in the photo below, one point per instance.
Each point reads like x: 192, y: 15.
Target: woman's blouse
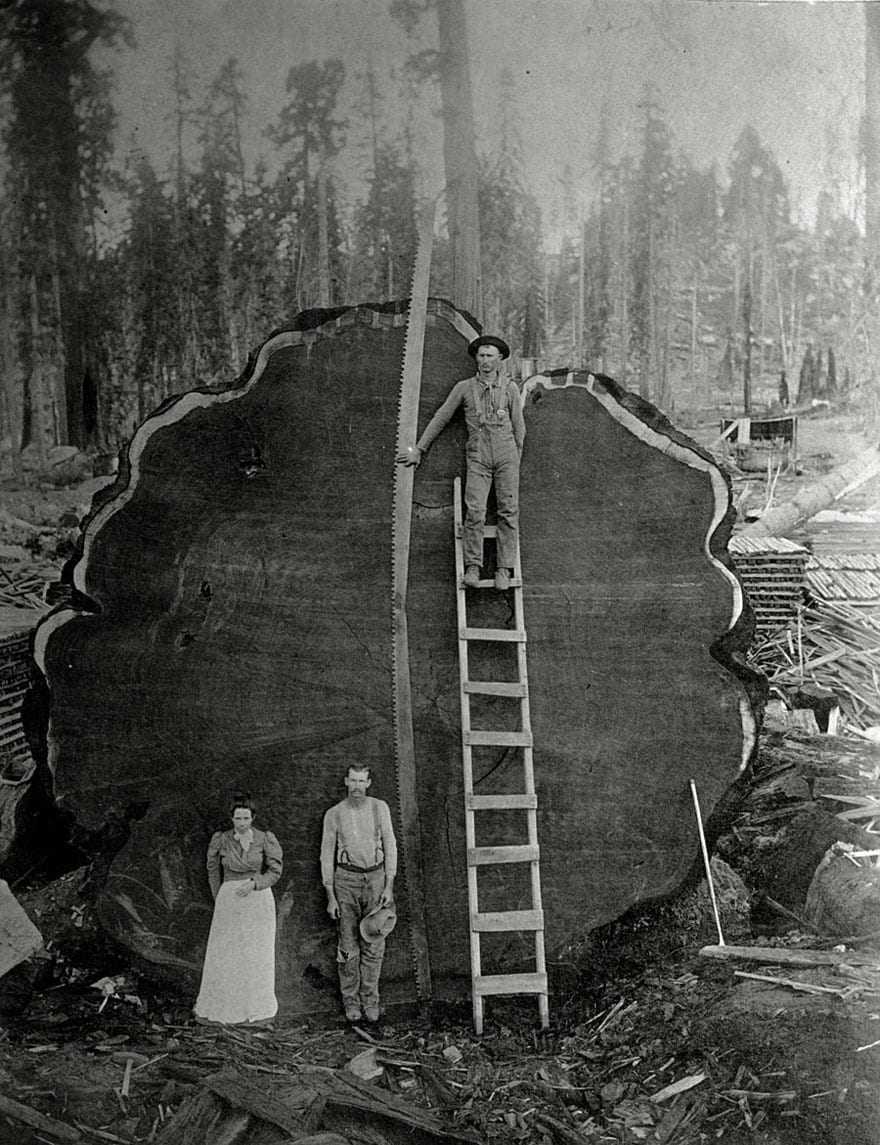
x: 262, y: 861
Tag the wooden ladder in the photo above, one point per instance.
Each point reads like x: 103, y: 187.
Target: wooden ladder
x: 531, y: 920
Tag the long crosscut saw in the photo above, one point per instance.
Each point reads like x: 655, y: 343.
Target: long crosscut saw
x: 404, y: 476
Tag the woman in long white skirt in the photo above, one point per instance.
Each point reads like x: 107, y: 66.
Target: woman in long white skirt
x: 238, y: 977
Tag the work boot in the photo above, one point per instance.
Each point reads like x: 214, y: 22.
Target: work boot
x: 472, y: 576
x: 371, y: 1013
x: 352, y: 1012
x: 502, y: 579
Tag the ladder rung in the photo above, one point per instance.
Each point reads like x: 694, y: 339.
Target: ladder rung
x: 495, y: 688
x: 498, y: 739
x: 508, y: 920
x: 488, y: 531
x: 501, y: 802
x: 510, y: 984
x: 489, y: 582
x: 480, y: 856
x: 508, y: 635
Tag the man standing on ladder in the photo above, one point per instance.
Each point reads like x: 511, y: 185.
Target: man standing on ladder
x: 495, y: 435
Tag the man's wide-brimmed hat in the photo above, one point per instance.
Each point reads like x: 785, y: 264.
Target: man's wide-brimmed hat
x: 378, y: 923
x: 489, y: 340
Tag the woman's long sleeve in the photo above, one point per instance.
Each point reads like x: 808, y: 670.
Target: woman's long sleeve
x: 273, y: 862
x: 215, y: 874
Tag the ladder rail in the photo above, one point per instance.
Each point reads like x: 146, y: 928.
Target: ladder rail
x: 531, y: 815
x: 531, y: 920
x: 466, y: 752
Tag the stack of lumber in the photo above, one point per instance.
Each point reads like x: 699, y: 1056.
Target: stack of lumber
x: 16, y: 763
x: 852, y: 577
x: 772, y: 571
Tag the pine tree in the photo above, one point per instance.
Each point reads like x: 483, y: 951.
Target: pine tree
x: 385, y: 227
x: 311, y: 134
x: 57, y: 139
x: 152, y: 258
x: 258, y: 271
x: 597, y: 262
x: 218, y: 193
x: 756, y: 216
x: 512, y: 259
x: 650, y: 241
x: 448, y: 65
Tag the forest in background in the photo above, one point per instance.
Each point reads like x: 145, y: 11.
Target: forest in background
x: 695, y: 286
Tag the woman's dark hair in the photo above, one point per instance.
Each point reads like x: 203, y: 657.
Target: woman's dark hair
x: 241, y: 800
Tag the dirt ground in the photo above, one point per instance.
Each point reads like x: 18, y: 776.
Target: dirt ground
x: 650, y: 1041
x: 678, y: 1050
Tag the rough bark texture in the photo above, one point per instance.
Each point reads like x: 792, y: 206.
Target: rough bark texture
x: 239, y: 574
x: 844, y: 897
x: 872, y: 136
x: 460, y: 156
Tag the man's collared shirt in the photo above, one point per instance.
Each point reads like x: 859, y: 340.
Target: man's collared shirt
x: 494, y: 404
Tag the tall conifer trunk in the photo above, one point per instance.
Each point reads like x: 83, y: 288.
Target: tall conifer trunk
x: 872, y: 132
x: 459, y: 153
x: 872, y: 176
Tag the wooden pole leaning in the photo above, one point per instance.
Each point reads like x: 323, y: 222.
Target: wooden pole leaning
x: 706, y: 863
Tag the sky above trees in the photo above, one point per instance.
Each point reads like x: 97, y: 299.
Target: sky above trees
x: 791, y: 69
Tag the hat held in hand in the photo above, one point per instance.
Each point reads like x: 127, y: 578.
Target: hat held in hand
x: 378, y: 923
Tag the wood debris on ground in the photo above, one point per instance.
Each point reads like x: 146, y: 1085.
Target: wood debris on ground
x: 22, y: 588
x: 630, y: 1059
x: 835, y: 645
x: 795, y: 809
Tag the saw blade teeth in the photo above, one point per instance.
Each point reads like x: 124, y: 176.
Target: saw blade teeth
x: 401, y: 517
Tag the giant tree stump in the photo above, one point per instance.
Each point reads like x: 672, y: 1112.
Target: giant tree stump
x: 235, y: 628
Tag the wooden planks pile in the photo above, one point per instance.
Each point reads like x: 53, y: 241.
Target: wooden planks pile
x: 21, y: 588
x: 850, y: 577
x: 16, y: 625
x: 772, y: 570
x: 836, y: 646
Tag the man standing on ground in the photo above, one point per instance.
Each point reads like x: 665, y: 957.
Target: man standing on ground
x: 495, y: 435
x: 358, y: 868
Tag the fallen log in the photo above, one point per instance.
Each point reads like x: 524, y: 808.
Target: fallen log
x: 784, y: 519
x: 232, y: 627
x: 786, y: 821
x: 31, y: 1117
x: 790, y: 956
x: 7, y: 518
x: 309, y: 1105
x: 247, y: 1096
x: 19, y: 938
x: 844, y: 895
x: 793, y: 983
